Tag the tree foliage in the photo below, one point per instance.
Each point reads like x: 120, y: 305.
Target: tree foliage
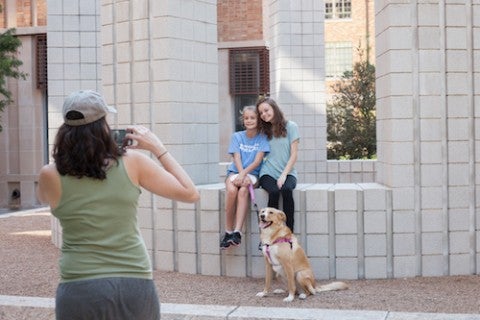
x: 9, y: 66
x: 351, y: 117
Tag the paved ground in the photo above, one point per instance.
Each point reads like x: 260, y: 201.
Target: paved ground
x: 29, y: 277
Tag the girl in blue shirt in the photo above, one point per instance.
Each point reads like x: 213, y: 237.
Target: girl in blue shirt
x: 247, y: 148
x: 278, y: 174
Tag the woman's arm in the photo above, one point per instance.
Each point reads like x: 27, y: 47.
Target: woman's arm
x: 290, y: 164
x: 49, y: 186
x: 170, y: 181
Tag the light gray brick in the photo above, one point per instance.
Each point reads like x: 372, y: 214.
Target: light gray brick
x: 258, y: 268
x: 317, y: 197
x: 186, y: 241
x: 164, y: 260
x: 374, y: 196
x: 235, y: 266
x: 459, y: 219
x: 403, y: 221
x: 209, y: 243
x: 346, y: 196
x: 432, y: 265
x: 187, y: 263
x: 459, y: 264
x: 320, y: 267
x: 432, y: 221
x: 164, y: 240
x: 375, y: 222
x: 317, y: 246
x: 346, y: 245
x: 347, y: 268
x: 375, y: 268
x: 210, y: 264
x: 345, y: 222
x: 404, y: 244
x: 459, y: 242
x: 432, y: 243
x: 185, y: 220
x: 375, y: 245
x: 210, y: 196
x: 210, y: 221
x: 404, y: 266
x: 317, y: 222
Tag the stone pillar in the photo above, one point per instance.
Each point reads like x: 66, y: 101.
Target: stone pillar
x: 160, y: 70
x: 426, y: 119
x: 295, y: 40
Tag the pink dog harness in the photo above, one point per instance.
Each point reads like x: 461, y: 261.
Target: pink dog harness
x: 279, y: 240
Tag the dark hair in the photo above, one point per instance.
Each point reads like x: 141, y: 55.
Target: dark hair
x: 84, y: 151
x: 278, y: 127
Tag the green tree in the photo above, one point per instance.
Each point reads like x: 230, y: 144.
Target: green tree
x: 9, y: 66
x: 351, y: 117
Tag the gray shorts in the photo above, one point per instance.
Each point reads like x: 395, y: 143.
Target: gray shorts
x: 107, y: 298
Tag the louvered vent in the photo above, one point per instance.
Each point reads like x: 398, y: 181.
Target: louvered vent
x: 249, y: 71
x: 41, y: 54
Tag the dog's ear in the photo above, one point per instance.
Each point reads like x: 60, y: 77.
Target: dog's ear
x: 281, y: 215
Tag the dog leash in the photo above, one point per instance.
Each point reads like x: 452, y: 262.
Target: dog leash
x: 252, y: 198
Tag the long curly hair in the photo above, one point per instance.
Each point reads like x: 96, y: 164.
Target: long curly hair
x: 84, y: 151
x: 278, y: 126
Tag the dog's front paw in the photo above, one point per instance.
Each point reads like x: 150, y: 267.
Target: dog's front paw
x: 261, y: 294
x: 278, y: 291
x: 289, y: 298
x: 302, y: 296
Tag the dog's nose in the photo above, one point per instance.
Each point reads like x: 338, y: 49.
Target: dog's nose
x: 262, y: 216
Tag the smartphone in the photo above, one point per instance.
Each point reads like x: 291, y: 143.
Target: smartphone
x: 119, y: 136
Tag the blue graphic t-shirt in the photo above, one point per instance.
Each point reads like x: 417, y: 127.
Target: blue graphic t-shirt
x: 248, y: 149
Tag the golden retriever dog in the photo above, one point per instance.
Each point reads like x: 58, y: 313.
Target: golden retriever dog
x: 284, y: 255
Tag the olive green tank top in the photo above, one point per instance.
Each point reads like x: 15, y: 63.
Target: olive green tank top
x: 101, y: 237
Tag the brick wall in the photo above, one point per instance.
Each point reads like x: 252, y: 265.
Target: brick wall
x: 239, y: 20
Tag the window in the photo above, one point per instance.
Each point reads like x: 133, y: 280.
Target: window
x: 338, y: 9
x: 249, y: 77
x: 249, y: 71
x: 338, y: 58
x: 41, y: 61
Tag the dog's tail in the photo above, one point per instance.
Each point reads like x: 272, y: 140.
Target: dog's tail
x: 334, y: 286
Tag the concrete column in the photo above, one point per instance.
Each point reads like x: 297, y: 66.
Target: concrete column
x: 160, y: 70
x: 427, y: 137
x: 297, y: 69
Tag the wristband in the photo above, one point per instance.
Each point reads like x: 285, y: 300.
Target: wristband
x: 161, y: 155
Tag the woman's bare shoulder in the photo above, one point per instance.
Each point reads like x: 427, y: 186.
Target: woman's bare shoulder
x: 49, y: 170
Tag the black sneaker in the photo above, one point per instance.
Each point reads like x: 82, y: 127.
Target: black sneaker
x: 225, y: 242
x: 236, y: 238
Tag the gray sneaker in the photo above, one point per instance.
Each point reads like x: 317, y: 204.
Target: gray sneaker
x: 236, y: 238
x: 226, y: 241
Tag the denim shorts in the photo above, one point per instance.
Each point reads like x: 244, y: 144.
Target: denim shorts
x: 113, y: 298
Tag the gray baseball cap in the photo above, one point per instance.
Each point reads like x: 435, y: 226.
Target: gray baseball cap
x: 88, y: 106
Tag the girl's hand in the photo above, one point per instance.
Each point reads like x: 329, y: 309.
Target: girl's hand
x: 281, y: 181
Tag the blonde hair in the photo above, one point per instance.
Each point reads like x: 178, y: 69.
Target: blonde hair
x: 247, y: 108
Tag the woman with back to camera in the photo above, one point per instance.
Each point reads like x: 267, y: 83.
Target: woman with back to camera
x: 278, y: 174
x: 93, y: 188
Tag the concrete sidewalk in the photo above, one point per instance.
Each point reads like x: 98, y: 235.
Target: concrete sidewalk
x: 172, y: 311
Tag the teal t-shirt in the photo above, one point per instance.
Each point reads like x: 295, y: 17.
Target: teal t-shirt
x: 276, y: 160
x: 100, y: 233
